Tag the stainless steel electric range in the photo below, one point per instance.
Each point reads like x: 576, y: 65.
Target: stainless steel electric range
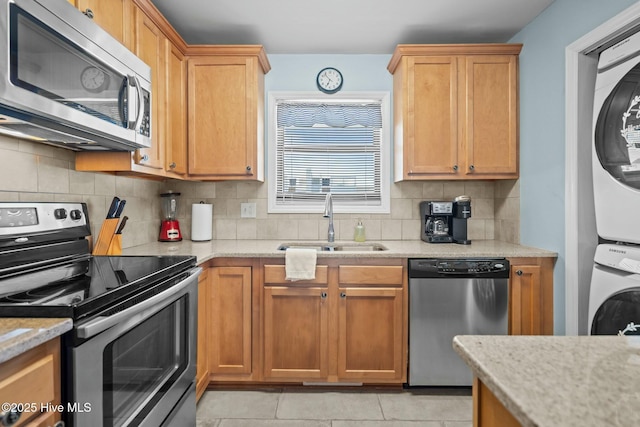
x: 130, y: 356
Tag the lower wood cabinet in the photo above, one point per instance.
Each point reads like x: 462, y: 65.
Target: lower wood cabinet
x: 32, y: 379
x: 370, y: 326
x: 488, y: 411
x: 202, y: 356
x: 296, y: 326
x: 531, y: 296
x: 346, y: 325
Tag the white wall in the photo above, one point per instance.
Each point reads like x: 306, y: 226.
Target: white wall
x: 542, y: 125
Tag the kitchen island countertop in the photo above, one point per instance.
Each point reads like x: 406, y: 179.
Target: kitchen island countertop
x: 18, y: 335
x: 396, y: 249
x: 549, y: 381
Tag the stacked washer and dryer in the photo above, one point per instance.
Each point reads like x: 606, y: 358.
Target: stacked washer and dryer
x: 614, y: 299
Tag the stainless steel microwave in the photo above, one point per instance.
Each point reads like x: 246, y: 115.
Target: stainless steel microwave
x: 67, y: 82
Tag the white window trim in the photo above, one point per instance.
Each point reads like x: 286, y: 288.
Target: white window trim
x: 385, y: 155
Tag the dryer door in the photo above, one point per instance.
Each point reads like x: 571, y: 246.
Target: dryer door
x: 618, y: 313
x: 617, y: 132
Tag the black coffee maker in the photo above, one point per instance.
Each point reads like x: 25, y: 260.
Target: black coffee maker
x: 461, y: 213
x: 436, y: 222
x: 445, y: 222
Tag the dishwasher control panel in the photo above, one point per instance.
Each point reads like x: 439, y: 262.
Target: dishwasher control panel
x: 476, y: 267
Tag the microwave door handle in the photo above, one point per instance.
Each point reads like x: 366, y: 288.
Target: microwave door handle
x: 140, y: 311
x: 134, y: 120
x: 140, y: 112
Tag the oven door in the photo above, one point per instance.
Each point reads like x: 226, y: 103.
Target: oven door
x: 138, y: 365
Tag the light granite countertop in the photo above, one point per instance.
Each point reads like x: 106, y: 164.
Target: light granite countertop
x: 395, y: 249
x: 550, y: 381
x: 18, y: 335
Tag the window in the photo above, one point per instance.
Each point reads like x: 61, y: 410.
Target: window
x: 321, y: 144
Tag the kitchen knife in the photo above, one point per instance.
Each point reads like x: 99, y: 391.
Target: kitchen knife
x: 122, y: 224
x: 113, y: 208
x: 120, y: 208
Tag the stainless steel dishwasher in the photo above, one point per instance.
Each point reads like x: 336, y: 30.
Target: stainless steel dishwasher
x: 449, y: 297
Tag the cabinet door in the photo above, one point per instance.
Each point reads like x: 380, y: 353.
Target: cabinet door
x: 230, y: 320
x: 176, y: 90
x: 149, y: 45
x: 370, y: 334
x: 113, y: 16
x: 525, y: 300
x: 431, y: 131
x: 490, y: 112
x: 223, y: 124
x: 202, y: 366
x: 295, y: 333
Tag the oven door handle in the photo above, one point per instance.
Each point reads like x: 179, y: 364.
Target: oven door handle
x: 142, y: 310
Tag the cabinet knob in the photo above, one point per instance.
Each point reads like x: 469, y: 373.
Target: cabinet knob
x: 323, y: 295
x: 144, y: 158
x: 343, y: 295
x: 172, y: 165
x: 248, y: 169
x: 10, y: 417
x: 455, y: 167
x: 471, y: 168
x: 88, y: 13
x: 519, y: 272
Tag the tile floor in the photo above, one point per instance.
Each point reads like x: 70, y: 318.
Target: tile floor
x: 321, y: 408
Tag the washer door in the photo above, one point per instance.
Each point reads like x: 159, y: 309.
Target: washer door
x: 617, y: 132
x: 617, y: 313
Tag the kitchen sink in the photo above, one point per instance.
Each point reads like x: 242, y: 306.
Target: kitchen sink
x: 336, y: 247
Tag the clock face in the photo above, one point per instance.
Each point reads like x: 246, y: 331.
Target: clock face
x: 94, y: 79
x: 329, y: 80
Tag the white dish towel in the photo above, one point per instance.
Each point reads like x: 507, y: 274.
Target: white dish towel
x: 300, y: 263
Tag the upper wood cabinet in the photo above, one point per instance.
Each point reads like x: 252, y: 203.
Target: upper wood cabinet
x: 455, y: 111
x: 176, y: 111
x: 153, y: 40
x: 149, y: 45
x: 113, y: 16
x: 226, y: 112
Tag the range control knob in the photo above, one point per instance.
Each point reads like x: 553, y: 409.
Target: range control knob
x: 75, y: 215
x: 60, y: 213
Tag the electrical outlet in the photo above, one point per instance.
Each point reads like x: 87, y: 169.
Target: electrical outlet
x: 247, y: 210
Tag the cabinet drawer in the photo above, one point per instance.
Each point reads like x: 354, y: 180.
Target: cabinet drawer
x: 371, y: 275
x: 275, y: 274
x: 30, y: 379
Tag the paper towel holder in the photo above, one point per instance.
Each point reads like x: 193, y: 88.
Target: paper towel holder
x: 201, y: 222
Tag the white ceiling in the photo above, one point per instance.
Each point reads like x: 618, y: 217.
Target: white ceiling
x: 347, y: 26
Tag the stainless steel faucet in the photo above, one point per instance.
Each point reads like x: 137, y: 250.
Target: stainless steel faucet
x: 328, y: 213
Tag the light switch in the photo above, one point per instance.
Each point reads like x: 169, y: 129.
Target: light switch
x: 247, y: 210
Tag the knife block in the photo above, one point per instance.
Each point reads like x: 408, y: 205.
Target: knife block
x: 103, y: 244
x: 115, y: 247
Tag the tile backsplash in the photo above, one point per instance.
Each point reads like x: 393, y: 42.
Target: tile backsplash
x: 38, y: 172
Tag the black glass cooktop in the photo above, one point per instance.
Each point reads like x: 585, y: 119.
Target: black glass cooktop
x: 84, y: 286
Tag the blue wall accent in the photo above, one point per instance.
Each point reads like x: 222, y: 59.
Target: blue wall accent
x: 542, y: 124
x: 298, y: 72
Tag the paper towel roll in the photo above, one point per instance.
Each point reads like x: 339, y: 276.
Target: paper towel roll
x: 201, y: 222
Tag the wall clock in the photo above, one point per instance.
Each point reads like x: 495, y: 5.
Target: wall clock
x: 94, y: 80
x: 329, y: 80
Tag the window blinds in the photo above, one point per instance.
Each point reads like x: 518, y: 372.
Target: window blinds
x: 324, y: 148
